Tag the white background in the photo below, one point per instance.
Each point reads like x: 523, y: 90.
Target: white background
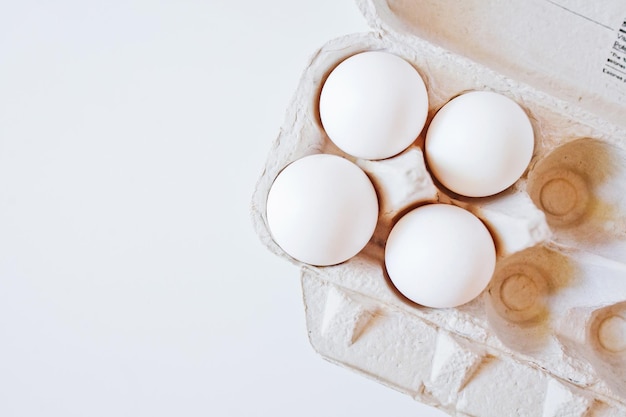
x: 131, y: 281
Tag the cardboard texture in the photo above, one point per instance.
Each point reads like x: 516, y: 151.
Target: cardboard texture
x: 548, y: 336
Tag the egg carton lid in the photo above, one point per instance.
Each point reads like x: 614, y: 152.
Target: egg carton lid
x: 574, y: 50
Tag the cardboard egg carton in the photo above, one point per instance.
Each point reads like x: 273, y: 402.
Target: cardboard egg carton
x: 548, y: 336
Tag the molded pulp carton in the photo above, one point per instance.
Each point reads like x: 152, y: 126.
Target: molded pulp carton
x: 548, y: 336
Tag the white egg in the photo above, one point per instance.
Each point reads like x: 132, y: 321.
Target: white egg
x: 373, y: 105
x: 440, y: 256
x: 479, y: 144
x: 322, y: 209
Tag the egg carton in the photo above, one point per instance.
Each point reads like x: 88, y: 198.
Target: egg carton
x: 548, y: 336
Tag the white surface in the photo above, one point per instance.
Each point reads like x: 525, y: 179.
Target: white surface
x: 131, y: 282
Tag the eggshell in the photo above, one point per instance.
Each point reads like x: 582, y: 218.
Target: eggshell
x: 479, y: 144
x: 440, y: 256
x: 373, y: 105
x: 322, y: 209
